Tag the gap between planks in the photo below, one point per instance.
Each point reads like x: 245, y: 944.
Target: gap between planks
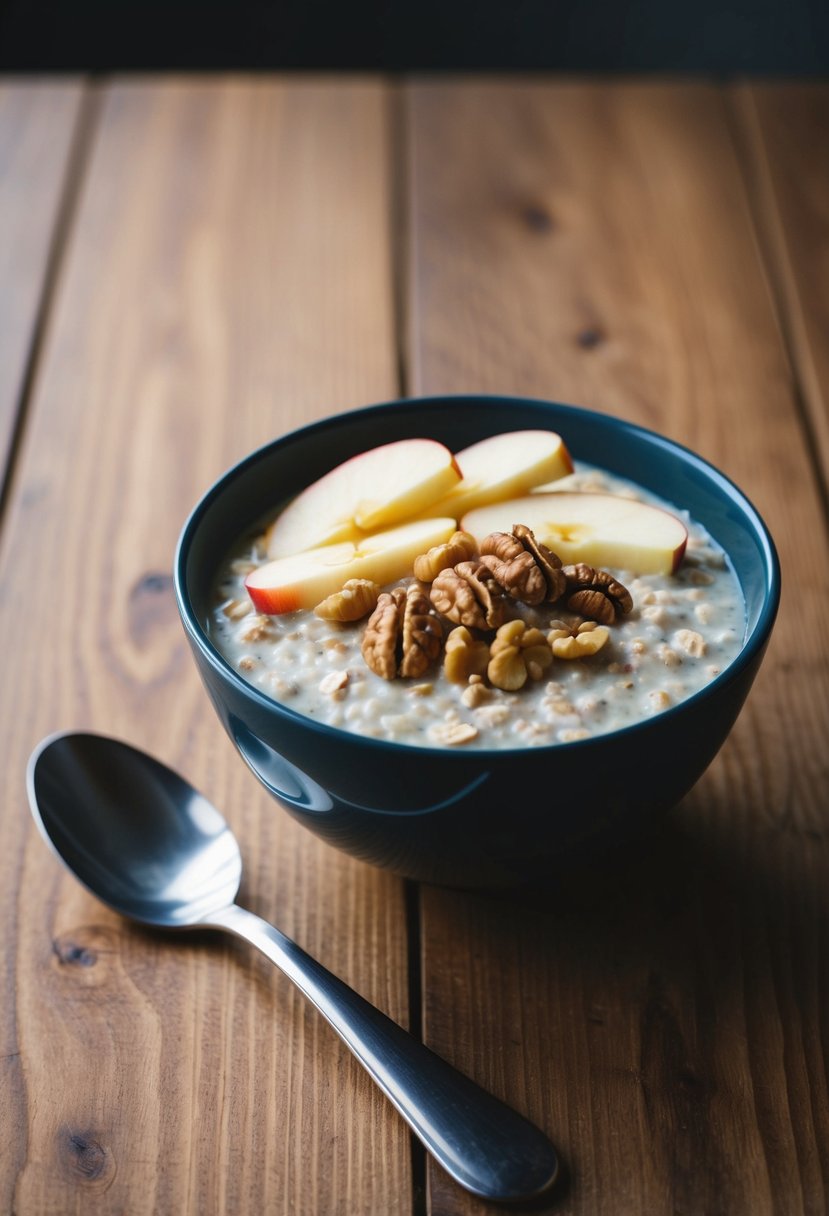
x: 83, y: 137
x: 752, y: 157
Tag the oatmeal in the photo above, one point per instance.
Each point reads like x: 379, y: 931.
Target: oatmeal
x: 491, y: 649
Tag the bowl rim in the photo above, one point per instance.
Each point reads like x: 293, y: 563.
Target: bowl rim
x: 753, y: 644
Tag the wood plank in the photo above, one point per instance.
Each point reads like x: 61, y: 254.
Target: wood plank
x: 785, y: 128
x: 229, y: 278
x: 663, y: 1020
x: 37, y: 122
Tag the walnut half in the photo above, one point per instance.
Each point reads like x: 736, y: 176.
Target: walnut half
x: 518, y: 653
x: 469, y: 595
x: 595, y: 594
x: 577, y: 642
x: 526, y: 569
x: 403, y: 635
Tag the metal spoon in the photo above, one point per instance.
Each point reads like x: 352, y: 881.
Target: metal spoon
x: 150, y: 846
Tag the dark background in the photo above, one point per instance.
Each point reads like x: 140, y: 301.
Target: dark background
x: 772, y: 37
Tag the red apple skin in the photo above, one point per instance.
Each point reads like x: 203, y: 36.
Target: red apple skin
x: 304, y: 580
x: 273, y: 601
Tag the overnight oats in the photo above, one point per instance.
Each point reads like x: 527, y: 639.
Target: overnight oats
x: 498, y: 597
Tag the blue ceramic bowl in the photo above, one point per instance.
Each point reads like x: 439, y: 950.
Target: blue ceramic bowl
x: 488, y: 817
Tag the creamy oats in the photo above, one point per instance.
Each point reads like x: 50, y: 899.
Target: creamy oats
x: 683, y: 630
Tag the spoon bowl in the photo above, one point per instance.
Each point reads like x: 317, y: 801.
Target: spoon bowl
x: 136, y: 834
x: 150, y: 846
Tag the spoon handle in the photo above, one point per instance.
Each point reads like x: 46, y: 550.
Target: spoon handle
x: 485, y: 1145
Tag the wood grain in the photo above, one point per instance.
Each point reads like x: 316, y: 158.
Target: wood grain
x: 227, y: 274
x: 785, y: 129
x: 664, y: 1018
x: 37, y: 122
x: 227, y: 278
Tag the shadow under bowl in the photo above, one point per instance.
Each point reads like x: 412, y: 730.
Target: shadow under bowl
x: 483, y: 818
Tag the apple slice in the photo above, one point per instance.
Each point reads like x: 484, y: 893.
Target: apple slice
x: 377, y: 489
x: 600, y: 529
x: 303, y: 580
x: 504, y: 466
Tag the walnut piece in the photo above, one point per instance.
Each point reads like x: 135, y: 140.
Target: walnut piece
x: 469, y: 595
x: 595, y: 594
x: 357, y: 599
x: 526, y: 569
x: 547, y: 561
x: 403, y: 636
x: 517, y: 654
x: 577, y: 643
x: 459, y: 548
x: 465, y: 656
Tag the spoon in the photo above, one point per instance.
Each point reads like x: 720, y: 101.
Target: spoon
x: 153, y: 848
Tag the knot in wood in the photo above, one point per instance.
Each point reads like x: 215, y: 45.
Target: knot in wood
x: 73, y: 954
x: 85, y: 1158
x: 590, y: 337
x: 151, y: 605
x: 84, y: 957
x: 537, y: 217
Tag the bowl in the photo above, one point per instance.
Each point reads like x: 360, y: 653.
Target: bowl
x: 483, y: 818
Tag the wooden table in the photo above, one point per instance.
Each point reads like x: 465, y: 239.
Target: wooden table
x: 193, y: 266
